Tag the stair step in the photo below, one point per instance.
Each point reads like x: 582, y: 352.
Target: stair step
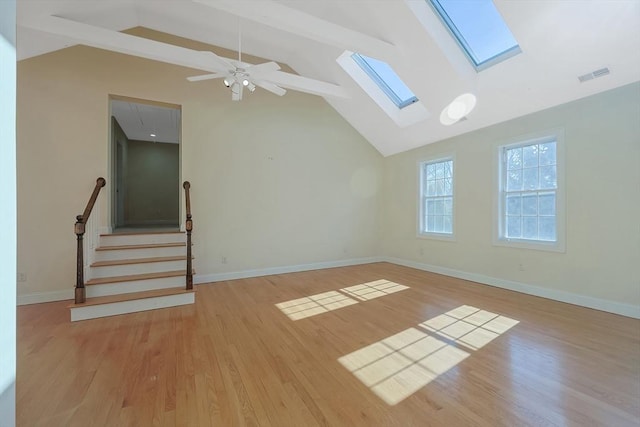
x: 138, y: 261
x: 144, y: 246
x: 130, y: 303
x: 135, y: 277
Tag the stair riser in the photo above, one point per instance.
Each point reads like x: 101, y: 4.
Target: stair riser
x: 135, y: 286
x: 129, y: 269
x: 124, y: 307
x: 141, y: 239
x: 122, y: 254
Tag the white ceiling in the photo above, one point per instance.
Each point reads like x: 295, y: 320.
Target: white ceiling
x: 146, y: 122
x: 560, y: 40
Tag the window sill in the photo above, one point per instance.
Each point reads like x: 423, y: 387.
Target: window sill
x: 531, y: 244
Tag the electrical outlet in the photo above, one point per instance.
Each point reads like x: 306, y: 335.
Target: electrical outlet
x: 22, y: 277
x: 223, y: 260
x: 521, y: 267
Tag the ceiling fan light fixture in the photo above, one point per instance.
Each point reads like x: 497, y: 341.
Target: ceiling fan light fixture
x: 227, y: 81
x: 245, y: 82
x: 251, y: 87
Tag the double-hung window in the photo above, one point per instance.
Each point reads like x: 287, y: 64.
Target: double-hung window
x: 436, y: 198
x: 530, y: 198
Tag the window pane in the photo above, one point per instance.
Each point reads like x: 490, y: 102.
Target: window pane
x: 431, y: 188
x: 448, y: 226
x: 439, y: 170
x: 431, y: 171
x: 514, y: 227
x: 439, y: 224
x: 548, y: 154
x: 430, y: 222
x: 514, y: 158
x: 547, y: 204
x: 439, y: 207
x: 530, y: 205
x: 529, y: 227
x: 431, y: 207
x: 478, y: 27
x: 514, y: 205
x: 514, y: 180
x: 548, y: 177
x: 530, y: 178
x: 439, y: 187
x: 547, y: 228
x: 383, y: 75
x: 448, y: 206
x: 448, y: 187
x: 448, y: 169
x: 530, y: 156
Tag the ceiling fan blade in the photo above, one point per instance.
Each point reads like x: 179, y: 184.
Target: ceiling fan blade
x: 259, y: 69
x: 270, y: 87
x: 307, y: 85
x: 205, y: 77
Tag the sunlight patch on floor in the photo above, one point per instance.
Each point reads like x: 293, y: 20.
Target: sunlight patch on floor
x: 400, y: 365
x: 315, y: 304
x: 328, y: 301
x: 469, y: 326
x: 375, y: 289
x: 397, y: 366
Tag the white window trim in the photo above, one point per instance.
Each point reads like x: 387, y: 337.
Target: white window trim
x: 419, y: 214
x: 498, y: 240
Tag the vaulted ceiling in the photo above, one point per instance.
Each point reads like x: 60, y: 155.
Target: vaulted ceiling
x: 560, y: 40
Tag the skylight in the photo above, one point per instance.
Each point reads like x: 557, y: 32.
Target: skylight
x: 479, y: 29
x: 384, y: 76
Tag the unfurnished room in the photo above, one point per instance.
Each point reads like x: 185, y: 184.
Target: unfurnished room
x: 320, y: 213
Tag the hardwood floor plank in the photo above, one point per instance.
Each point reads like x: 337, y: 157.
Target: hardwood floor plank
x: 235, y: 358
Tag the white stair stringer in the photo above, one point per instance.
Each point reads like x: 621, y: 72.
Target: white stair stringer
x: 93, y: 311
x: 135, y: 272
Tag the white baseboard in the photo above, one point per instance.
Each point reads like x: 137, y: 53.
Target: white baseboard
x: 40, y: 297
x: 218, y: 277
x: 622, y: 309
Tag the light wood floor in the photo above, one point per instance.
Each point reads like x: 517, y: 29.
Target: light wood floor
x: 235, y: 358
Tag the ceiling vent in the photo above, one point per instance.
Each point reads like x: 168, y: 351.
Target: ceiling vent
x: 593, y: 75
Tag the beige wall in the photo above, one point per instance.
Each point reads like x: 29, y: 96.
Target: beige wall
x: 276, y: 181
x: 602, y: 136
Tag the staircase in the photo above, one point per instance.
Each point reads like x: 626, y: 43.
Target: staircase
x: 135, y: 272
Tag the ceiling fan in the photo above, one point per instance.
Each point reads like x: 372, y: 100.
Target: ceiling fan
x: 239, y: 75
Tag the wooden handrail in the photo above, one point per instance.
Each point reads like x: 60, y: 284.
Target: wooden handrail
x: 81, y: 221
x: 188, y: 227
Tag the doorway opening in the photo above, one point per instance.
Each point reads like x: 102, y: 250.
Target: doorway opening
x: 145, y: 169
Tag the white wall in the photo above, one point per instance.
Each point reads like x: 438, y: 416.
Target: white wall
x: 600, y: 266
x: 7, y: 212
x: 275, y: 181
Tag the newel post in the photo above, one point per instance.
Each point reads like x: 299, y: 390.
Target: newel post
x: 79, y: 230
x: 188, y: 228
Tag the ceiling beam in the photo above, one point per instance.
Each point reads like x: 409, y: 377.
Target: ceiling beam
x: 115, y: 41
x: 284, y: 18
